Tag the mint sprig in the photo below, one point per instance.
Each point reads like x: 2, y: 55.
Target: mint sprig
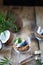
x: 19, y: 40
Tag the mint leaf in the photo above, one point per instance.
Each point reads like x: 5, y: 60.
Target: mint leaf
x: 19, y: 40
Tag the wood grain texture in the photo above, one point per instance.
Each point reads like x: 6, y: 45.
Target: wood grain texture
x: 39, y: 16
x: 26, y: 14
x: 1, y: 2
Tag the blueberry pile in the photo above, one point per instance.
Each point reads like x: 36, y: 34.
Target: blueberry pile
x: 24, y: 43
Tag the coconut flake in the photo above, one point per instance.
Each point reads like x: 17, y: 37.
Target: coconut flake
x: 5, y: 37
x: 19, y: 44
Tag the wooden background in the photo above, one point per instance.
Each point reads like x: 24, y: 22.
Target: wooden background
x: 26, y: 14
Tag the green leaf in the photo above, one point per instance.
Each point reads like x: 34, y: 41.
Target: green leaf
x: 5, y: 61
x: 19, y: 40
x: 38, y: 62
x: 7, y: 21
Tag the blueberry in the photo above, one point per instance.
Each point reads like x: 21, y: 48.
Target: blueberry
x: 24, y: 44
x: 41, y: 33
